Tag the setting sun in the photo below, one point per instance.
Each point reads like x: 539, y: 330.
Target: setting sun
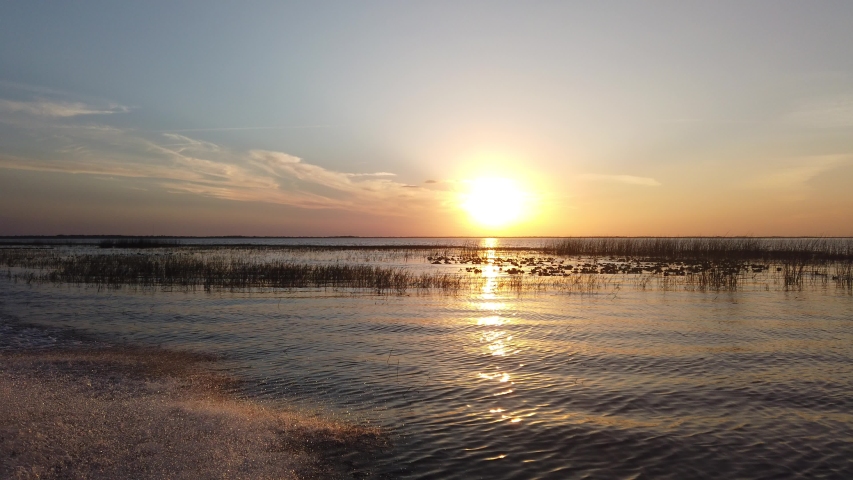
x: 494, y: 202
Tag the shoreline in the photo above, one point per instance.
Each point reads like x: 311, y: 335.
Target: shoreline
x: 81, y: 409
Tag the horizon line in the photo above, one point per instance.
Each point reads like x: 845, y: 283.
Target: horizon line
x: 414, y: 236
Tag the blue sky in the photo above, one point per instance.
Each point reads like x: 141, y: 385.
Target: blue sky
x: 370, y: 118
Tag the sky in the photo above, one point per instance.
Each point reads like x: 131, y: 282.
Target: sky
x: 383, y: 118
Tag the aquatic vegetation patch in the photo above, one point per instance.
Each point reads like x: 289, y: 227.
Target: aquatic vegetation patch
x: 706, y: 248
x: 448, y: 272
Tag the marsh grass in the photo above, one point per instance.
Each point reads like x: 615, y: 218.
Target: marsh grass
x: 209, y: 270
x: 370, y: 270
x: 792, y: 273
x: 706, y: 248
x: 844, y: 274
x: 192, y: 272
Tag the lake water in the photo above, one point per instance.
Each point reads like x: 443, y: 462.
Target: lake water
x: 755, y: 383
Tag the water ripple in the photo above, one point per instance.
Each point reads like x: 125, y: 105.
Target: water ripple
x: 647, y: 385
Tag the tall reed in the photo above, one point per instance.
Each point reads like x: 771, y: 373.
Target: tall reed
x: 705, y: 248
x: 844, y: 274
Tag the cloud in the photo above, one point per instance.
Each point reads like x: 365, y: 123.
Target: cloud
x: 377, y: 174
x: 186, y: 165
x: 627, y: 179
x: 57, y: 109
x: 283, y: 165
x: 179, y: 163
x: 187, y: 143
x: 227, y: 129
x: 796, y: 173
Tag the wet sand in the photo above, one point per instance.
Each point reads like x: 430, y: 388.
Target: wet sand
x: 119, y: 412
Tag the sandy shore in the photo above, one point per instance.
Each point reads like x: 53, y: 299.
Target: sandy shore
x: 118, y: 412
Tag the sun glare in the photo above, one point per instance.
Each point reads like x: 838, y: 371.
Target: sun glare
x: 494, y: 202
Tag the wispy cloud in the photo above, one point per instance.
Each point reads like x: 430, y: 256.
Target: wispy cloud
x: 57, y: 109
x: 796, y: 173
x: 626, y: 179
x: 182, y: 143
x: 226, y: 129
x: 376, y: 174
x: 179, y: 163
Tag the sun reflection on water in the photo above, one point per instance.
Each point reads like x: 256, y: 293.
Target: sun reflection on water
x: 489, y: 243
x: 492, y: 321
x: 492, y: 307
x: 495, y: 337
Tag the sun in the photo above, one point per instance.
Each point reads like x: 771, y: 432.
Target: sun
x: 494, y: 201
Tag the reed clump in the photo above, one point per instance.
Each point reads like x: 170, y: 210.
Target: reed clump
x: 844, y: 274
x: 716, y: 277
x: 792, y: 273
x: 706, y: 248
x: 192, y: 272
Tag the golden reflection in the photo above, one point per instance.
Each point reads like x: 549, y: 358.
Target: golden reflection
x: 497, y: 342
x: 489, y: 243
x: 492, y: 336
x: 491, y: 306
x: 492, y: 321
x: 498, y: 349
x: 502, y: 377
x: 490, y: 274
x: 496, y: 339
x: 489, y: 287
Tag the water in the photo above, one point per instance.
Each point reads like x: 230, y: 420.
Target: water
x: 631, y: 384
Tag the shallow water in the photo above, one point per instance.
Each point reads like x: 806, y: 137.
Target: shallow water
x: 632, y: 384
